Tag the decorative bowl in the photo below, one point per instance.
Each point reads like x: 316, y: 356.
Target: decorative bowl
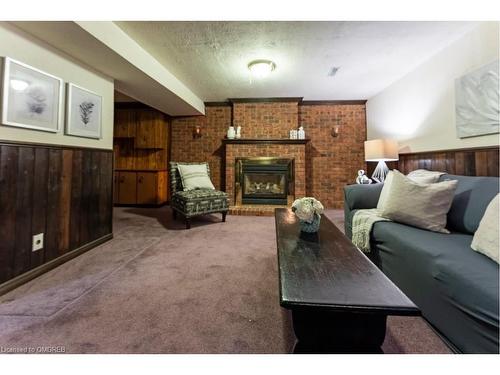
x: 310, y: 227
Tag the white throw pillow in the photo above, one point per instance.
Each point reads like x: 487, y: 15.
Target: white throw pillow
x: 485, y: 239
x: 423, y: 179
x: 423, y: 206
x: 195, y: 176
x: 423, y: 176
x: 385, y: 191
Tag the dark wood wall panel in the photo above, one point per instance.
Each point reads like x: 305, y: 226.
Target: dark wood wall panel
x: 65, y: 193
x: 466, y: 162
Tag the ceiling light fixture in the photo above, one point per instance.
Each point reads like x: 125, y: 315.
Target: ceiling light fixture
x: 261, y: 68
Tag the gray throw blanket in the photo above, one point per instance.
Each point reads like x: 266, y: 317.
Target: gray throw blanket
x: 362, y: 223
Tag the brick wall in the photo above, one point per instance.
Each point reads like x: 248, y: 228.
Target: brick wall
x: 207, y: 148
x: 266, y: 120
x: 330, y: 162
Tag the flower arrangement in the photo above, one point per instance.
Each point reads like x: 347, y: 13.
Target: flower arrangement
x: 309, y: 211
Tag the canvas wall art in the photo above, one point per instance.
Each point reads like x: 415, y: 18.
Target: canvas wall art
x: 477, y: 102
x: 31, y: 98
x: 83, y: 113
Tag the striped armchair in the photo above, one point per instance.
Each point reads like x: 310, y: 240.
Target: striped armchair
x: 195, y: 202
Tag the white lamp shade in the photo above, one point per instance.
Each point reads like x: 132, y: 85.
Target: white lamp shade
x: 381, y: 150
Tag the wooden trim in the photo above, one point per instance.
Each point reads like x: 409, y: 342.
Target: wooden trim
x: 140, y: 170
x: 34, y: 273
x: 266, y: 100
x: 300, y: 100
x: 469, y: 149
x: 283, y: 141
x: 218, y: 104
x: 48, y: 145
x: 333, y: 102
x: 133, y: 105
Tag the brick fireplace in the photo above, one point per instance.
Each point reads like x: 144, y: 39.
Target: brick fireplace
x: 283, y: 149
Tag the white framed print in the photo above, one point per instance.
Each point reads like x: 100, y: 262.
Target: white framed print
x: 31, y: 98
x: 83, y: 112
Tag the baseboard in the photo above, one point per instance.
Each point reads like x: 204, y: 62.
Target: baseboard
x: 35, y: 272
x: 149, y: 205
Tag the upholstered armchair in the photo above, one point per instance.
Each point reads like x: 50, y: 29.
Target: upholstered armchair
x: 194, y: 202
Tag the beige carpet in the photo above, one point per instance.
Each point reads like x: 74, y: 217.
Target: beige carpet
x: 157, y: 288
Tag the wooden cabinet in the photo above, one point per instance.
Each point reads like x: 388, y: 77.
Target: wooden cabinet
x: 141, y: 139
x: 151, y: 130
x: 146, y: 187
x: 140, y: 187
x: 125, y: 123
x: 127, y: 187
x: 141, y: 143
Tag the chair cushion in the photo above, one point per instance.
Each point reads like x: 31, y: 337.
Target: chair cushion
x: 200, y: 201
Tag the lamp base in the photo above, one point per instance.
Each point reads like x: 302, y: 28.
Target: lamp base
x: 380, y: 172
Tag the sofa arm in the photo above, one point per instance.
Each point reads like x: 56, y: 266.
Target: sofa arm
x: 361, y: 196
x: 358, y: 197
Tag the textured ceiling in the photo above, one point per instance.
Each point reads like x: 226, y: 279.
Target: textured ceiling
x: 211, y: 57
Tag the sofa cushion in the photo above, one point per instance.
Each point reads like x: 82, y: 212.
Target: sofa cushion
x: 472, y: 196
x: 456, y: 288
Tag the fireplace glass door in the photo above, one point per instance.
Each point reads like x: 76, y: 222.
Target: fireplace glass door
x: 264, y: 183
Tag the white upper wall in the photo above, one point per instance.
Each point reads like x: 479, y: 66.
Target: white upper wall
x: 419, y: 109
x: 21, y: 46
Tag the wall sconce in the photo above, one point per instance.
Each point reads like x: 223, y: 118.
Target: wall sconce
x: 197, y: 132
x: 335, y: 132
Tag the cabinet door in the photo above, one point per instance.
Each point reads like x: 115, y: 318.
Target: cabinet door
x: 162, y: 191
x: 146, y: 188
x: 127, y: 193
x: 116, y: 188
x: 125, y: 123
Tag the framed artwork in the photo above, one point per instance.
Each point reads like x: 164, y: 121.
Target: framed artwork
x: 31, y: 98
x: 83, y: 112
x: 477, y: 102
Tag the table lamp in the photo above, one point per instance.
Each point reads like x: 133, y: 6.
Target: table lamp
x: 381, y: 150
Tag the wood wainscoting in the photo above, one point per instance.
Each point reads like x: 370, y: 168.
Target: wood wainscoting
x: 64, y: 192
x: 481, y: 161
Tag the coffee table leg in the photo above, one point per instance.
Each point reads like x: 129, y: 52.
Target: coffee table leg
x: 322, y: 331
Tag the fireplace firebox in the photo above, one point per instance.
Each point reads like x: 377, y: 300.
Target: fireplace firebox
x: 264, y: 180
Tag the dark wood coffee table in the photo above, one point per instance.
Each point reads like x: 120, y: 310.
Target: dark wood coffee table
x: 338, y: 298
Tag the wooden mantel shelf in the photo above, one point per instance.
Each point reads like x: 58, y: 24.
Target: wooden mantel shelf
x: 263, y: 141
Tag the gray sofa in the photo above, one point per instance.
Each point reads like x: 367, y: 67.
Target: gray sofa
x: 456, y: 288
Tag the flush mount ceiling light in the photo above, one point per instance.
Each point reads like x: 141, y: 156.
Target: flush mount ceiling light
x: 261, y: 68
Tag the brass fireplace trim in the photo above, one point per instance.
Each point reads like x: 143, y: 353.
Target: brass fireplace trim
x: 238, y: 171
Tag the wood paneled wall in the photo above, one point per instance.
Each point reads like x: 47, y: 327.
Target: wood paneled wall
x: 468, y: 162
x: 65, y: 193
